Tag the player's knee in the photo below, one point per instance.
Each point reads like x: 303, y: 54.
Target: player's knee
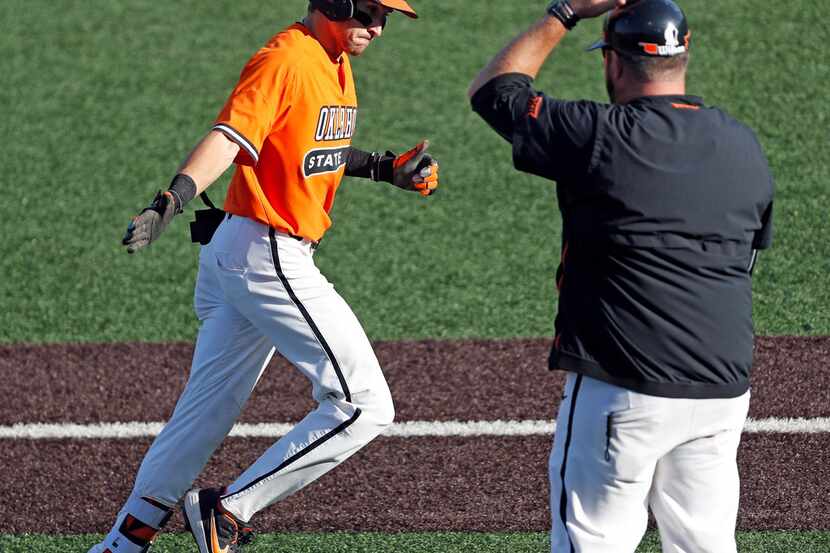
x: 377, y: 409
x: 386, y: 412
x: 383, y: 410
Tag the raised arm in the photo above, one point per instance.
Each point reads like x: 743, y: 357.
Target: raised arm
x: 527, y: 52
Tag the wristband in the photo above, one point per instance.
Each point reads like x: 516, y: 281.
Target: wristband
x: 183, y: 189
x: 564, y: 12
x: 381, y: 166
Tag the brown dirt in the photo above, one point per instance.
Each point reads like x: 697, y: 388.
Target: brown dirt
x: 494, y: 484
x: 430, y: 380
x: 395, y: 484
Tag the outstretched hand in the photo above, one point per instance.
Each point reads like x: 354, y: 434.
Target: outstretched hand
x: 149, y: 224
x: 416, y: 170
x: 586, y: 9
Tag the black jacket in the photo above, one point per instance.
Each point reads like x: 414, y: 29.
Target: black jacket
x: 664, y: 203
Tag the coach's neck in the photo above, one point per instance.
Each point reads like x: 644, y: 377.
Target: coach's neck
x: 627, y: 80
x: 626, y: 94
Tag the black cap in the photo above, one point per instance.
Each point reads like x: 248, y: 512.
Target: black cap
x: 646, y: 28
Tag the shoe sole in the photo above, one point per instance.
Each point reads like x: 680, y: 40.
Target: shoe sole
x: 193, y: 513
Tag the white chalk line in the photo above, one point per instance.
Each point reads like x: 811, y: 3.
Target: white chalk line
x: 411, y: 429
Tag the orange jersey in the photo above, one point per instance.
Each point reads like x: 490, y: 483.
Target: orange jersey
x: 293, y: 114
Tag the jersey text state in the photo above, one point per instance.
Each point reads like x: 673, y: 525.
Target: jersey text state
x: 324, y: 160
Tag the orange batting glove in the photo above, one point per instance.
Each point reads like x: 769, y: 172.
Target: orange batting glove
x: 416, y: 170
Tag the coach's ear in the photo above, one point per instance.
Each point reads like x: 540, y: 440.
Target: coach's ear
x: 614, y: 65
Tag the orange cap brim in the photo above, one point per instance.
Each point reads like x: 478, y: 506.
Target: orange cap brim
x: 401, y: 6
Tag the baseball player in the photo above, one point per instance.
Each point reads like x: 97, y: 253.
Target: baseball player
x: 665, y: 202
x: 287, y: 126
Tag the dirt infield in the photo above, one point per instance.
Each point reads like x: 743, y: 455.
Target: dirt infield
x: 430, y: 380
x: 395, y: 484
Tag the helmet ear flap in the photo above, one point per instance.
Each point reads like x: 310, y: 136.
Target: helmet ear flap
x: 336, y: 10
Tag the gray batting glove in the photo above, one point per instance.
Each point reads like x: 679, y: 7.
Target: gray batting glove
x: 148, y: 225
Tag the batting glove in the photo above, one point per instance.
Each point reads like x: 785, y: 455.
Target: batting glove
x: 416, y: 170
x: 148, y: 225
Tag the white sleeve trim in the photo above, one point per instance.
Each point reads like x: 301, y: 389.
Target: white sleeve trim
x: 239, y: 138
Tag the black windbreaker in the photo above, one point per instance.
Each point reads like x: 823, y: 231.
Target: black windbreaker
x: 664, y: 203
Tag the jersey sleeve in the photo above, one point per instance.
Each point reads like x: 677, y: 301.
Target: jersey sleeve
x: 551, y: 138
x: 258, y: 104
x: 554, y: 138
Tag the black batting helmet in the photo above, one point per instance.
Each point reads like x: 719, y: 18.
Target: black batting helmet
x: 341, y: 10
x: 646, y: 28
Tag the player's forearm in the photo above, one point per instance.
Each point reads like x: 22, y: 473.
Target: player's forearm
x: 209, y: 159
x: 414, y: 170
x: 369, y: 165
x: 525, y: 54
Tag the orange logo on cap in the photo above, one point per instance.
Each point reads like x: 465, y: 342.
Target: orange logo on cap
x: 650, y: 48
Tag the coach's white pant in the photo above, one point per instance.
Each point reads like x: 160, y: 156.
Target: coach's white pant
x: 258, y: 289
x: 617, y: 452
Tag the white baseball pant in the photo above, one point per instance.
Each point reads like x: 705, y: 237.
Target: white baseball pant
x: 259, y: 289
x: 617, y: 452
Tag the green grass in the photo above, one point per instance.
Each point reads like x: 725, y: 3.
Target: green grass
x: 104, y: 98
x: 748, y: 542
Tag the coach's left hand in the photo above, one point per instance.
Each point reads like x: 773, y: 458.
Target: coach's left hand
x: 416, y: 170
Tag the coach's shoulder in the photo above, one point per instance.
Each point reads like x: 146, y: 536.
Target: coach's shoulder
x: 726, y: 119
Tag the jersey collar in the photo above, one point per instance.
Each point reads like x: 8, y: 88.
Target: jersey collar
x: 696, y: 101
x: 307, y: 32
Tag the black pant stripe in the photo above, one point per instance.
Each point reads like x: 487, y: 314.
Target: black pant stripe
x: 563, y: 498
x: 311, y: 447
x: 276, y: 257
